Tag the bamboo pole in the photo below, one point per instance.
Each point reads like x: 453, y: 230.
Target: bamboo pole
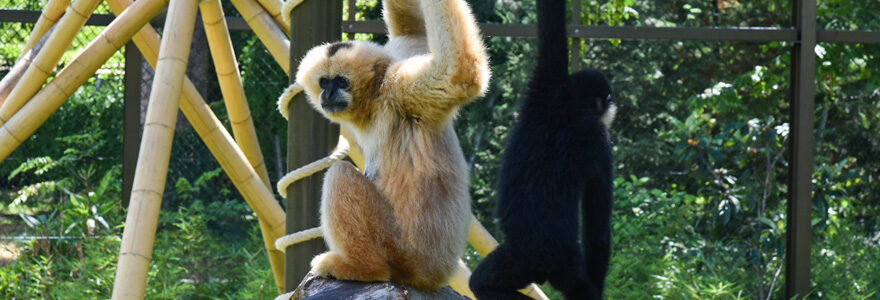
x: 231, y: 86
x: 233, y: 161
x: 273, y: 8
x: 142, y: 220
x: 459, y: 281
x: 46, y: 60
x: 11, y: 79
x: 223, y: 147
x: 53, y: 11
x: 354, y: 151
x: 236, y: 104
x: 23, y: 124
x: 484, y: 243
x: 267, y: 30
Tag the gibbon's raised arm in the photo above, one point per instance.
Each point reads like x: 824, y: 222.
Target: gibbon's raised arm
x: 459, y: 57
x: 552, y: 41
x: 403, y: 18
x: 456, y: 71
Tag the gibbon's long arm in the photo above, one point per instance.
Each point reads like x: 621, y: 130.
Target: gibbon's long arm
x: 552, y: 41
x: 431, y: 86
x: 403, y: 18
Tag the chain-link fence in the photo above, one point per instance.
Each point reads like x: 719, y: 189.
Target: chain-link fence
x: 191, y: 162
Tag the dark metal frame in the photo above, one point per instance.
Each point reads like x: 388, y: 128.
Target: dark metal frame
x: 131, y: 121
x: 31, y: 16
x: 740, y: 34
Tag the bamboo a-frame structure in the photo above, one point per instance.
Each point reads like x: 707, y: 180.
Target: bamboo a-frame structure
x: 27, y: 101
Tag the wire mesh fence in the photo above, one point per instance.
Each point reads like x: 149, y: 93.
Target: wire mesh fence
x: 193, y: 171
x: 191, y: 161
x: 106, y: 86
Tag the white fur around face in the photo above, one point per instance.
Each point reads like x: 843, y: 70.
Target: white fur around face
x: 608, y: 116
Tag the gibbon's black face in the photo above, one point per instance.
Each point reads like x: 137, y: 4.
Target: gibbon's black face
x: 592, y: 87
x: 335, y: 96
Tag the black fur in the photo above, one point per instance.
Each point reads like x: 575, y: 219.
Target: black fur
x: 559, y: 155
x: 336, y: 47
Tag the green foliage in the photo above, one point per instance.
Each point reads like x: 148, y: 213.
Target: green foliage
x: 195, y: 259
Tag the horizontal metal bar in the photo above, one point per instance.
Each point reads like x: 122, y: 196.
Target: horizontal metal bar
x: 363, y: 27
x: 746, y: 34
x: 756, y: 34
x: 749, y: 34
x: 841, y: 36
x: 22, y: 16
x: 31, y: 16
x: 233, y: 23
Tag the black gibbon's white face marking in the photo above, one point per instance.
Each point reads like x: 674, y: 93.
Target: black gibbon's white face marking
x: 335, y: 96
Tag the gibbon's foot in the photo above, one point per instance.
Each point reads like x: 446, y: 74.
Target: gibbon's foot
x: 321, y: 265
x: 333, y: 265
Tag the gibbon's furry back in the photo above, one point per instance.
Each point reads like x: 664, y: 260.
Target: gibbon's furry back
x: 559, y: 156
x: 406, y: 220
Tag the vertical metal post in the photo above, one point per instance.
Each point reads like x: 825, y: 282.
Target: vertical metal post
x: 309, y: 135
x: 803, y: 75
x: 131, y: 121
x: 575, y: 61
x: 352, y: 11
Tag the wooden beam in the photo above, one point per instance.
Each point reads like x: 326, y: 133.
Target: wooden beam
x: 131, y: 121
x: 309, y: 135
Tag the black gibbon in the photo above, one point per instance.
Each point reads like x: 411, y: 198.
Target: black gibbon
x: 559, y: 155
x: 407, y: 219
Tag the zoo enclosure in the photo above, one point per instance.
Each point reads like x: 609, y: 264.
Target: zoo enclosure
x: 802, y: 34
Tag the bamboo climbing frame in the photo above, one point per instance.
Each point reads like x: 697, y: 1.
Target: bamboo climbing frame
x: 54, y: 10
x: 239, y: 114
x: 44, y: 63
x: 36, y: 111
x: 221, y: 144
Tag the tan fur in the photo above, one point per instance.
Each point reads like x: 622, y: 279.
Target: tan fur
x: 408, y: 222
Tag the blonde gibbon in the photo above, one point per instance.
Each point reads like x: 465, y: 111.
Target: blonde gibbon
x: 406, y: 219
